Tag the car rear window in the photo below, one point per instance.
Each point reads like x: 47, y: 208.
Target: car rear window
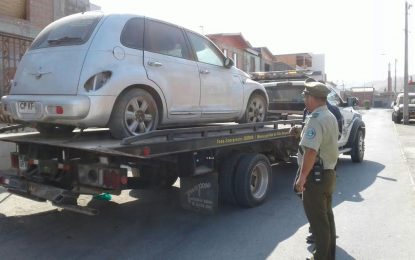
x: 71, y: 30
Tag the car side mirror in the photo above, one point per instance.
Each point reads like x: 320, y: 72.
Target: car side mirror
x: 228, y: 63
x: 352, y: 101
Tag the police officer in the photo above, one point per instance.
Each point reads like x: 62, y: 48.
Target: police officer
x: 317, y: 159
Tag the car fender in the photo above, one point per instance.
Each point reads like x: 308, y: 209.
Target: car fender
x: 251, y: 87
x: 357, y: 125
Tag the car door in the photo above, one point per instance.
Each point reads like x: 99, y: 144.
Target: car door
x: 221, y: 87
x: 169, y: 64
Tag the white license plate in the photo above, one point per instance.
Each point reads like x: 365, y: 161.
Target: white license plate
x: 27, y: 107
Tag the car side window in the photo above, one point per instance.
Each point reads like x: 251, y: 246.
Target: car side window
x: 205, y: 51
x: 132, y: 33
x: 165, y: 39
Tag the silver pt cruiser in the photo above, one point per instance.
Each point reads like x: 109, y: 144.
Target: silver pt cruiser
x: 130, y: 73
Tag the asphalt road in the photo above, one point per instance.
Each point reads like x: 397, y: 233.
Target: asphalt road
x: 374, y: 207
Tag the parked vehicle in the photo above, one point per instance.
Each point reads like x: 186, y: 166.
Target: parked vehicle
x: 130, y: 73
x: 397, y: 114
x: 285, y: 89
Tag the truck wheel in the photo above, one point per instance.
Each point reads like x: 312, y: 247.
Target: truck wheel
x: 358, y: 149
x: 227, y: 178
x: 253, y: 178
x: 135, y: 112
x: 48, y: 129
x: 256, y: 109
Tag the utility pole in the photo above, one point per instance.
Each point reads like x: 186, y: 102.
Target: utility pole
x: 395, y: 79
x: 405, y: 86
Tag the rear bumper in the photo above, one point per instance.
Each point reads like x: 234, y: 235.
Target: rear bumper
x: 74, y: 107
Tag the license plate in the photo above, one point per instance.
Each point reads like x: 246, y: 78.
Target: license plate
x: 27, y: 107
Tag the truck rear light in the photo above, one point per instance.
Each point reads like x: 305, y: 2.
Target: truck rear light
x: 14, y: 159
x: 112, y: 179
x: 146, y: 151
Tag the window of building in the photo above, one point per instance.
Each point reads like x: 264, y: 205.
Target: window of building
x: 267, y: 67
x: 235, y: 59
x: 252, y: 64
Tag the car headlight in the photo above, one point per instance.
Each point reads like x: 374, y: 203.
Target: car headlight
x: 97, y: 81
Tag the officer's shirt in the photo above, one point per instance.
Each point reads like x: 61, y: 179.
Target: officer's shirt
x: 320, y: 133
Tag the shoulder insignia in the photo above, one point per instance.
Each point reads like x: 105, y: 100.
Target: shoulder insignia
x: 310, y: 133
x: 314, y: 115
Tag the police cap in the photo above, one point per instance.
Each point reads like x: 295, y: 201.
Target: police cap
x: 315, y: 88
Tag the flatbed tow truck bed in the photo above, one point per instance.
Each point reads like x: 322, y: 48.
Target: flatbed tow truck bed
x: 230, y: 162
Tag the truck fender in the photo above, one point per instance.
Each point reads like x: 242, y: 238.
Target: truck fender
x: 357, y: 124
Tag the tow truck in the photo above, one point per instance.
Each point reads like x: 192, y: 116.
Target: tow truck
x: 226, y: 162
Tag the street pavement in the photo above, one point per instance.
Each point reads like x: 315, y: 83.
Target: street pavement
x: 374, y: 207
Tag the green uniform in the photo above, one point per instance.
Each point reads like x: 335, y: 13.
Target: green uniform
x: 320, y: 134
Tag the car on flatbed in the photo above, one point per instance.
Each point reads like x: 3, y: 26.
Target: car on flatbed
x: 130, y: 73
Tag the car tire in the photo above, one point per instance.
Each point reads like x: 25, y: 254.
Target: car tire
x: 227, y: 178
x: 358, y: 148
x: 48, y: 129
x: 253, y: 180
x: 256, y: 109
x: 135, y: 112
x: 398, y: 118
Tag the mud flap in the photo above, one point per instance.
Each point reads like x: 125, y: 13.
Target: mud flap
x: 200, y: 193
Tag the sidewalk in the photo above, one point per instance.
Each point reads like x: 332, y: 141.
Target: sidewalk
x: 406, y: 134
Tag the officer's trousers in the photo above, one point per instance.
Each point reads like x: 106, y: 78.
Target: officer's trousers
x: 317, y: 201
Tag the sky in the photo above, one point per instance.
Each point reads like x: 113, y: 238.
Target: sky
x: 358, y: 37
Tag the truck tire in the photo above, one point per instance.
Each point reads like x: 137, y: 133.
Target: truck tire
x: 256, y: 109
x: 48, y: 129
x: 227, y: 178
x: 135, y: 112
x: 253, y: 179
x: 358, y: 148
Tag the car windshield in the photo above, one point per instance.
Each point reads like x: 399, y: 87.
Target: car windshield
x: 71, y: 30
x: 286, y: 93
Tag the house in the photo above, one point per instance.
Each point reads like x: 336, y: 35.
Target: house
x: 234, y: 46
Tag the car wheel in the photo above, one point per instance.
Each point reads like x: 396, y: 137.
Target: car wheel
x: 134, y: 113
x: 256, y: 109
x: 253, y: 178
x: 358, y: 149
x: 398, y: 118
x: 48, y: 129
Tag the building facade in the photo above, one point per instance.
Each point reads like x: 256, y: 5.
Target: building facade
x: 234, y: 46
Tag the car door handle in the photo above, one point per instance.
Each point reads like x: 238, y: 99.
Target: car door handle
x: 204, y: 71
x: 154, y: 63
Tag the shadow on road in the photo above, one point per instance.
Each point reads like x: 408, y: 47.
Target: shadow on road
x: 154, y: 226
